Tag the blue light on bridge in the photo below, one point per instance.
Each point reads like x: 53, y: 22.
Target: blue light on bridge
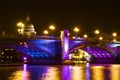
x: 37, y: 48
x: 114, y: 45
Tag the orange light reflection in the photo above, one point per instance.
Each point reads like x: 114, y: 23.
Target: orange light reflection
x: 98, y: 73
x: 115, y: 72
x: 51, y: 74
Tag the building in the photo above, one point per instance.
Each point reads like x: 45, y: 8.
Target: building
x: 28, y: 29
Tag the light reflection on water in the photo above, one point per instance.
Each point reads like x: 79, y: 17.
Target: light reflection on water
x: 115, y: 72
x: 61, y: 72
x: 78, y: 73
x: 52, y: 73
x: 20, y: 74
x: 98, y: 72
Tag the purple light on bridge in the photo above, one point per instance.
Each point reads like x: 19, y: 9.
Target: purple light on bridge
x: 24, y: 58
x: 65, y: 44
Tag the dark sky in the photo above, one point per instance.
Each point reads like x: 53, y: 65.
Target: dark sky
x: 64, y: 14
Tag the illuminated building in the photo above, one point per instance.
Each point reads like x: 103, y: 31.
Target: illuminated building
x: 28, y: 29
x: 9, y: 55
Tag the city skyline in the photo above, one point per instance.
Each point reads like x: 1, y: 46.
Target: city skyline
x: 87, y: 15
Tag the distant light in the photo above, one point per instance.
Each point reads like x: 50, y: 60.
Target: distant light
x: 87, y: 58
x: 25, y: 58
x: 97, y: 31
x: 22, y: 30
x: 114, y: 34
x: 2, y: 53
x: 21, y: 43
x: 20, y: 24
x: 45, y: 32
x: 76, y: 29
x: 25, y: 43
x: 73, y: 37
x: 19, y: 30
x: 52, y: 27
x: 100, y: 38
x: 11, y: 49
x: 114, y: 40
x: 20, y: 27
x: 85, y: 35
x: 68, y: 34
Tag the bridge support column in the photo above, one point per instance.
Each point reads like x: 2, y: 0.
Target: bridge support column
x: 65, y: 44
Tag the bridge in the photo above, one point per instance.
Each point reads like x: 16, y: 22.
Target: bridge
x: 44, y: 49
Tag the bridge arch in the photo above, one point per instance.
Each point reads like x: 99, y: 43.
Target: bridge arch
x: 25, y: 55
x: 29, y: 52
x: 97, y: 53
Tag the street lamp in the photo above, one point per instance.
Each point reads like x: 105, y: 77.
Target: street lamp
x: 100, y: 38
x: 114, y: 34
x: 73, y: 37
x: 20, y: 24
x: 96, y: 31
x: 52, y: 27
x: 20, y: 27
x: 46, y: 32
x: 85, y: 35
x: 76, y: 30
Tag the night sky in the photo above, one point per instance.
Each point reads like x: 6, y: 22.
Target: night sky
x: 66, y: 14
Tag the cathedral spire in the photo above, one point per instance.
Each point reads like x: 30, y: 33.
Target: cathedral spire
x: 27, y: 18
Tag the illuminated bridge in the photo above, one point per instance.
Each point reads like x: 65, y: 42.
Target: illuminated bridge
x: 38, y: 50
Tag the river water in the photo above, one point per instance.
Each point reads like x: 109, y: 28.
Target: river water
x: 61, y: 72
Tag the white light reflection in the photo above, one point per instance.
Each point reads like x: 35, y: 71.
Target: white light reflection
x: 88, y: 71
x: 25, y: 72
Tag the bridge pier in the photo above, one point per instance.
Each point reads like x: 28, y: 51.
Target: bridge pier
x: 65, y: 44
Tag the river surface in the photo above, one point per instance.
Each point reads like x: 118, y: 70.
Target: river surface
x: 61, y: 72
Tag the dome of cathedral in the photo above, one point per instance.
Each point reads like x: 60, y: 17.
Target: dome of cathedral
x: 28, y: 29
